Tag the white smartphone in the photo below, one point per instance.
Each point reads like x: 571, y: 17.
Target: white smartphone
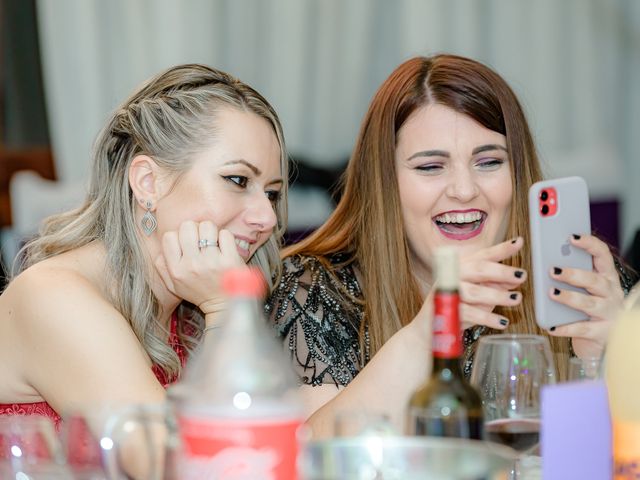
x: 558, y: 209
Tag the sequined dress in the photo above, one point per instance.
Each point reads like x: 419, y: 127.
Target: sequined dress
x: 321, y: 329
x: 44, y: 409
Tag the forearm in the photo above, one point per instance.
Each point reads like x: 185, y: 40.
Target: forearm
x: 383, y: 386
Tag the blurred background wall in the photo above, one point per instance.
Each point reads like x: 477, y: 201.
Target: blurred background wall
x: 575, y: 64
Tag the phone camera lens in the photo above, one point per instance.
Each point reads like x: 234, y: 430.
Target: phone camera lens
x: 544, y: 209
x: 544, y: 195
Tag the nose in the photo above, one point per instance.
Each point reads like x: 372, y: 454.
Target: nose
x: 260, y: 213
x: 462, y: 185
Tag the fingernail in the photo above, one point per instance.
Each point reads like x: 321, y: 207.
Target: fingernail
x: 518, y: 273
x: 552, y: 329
x: 556, y: 291
x: 576, y: 236
x: 504, y: 322
x: 557, y: 270
x: 513, y: 296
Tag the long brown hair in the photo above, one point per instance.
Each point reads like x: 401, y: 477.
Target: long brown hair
x: 366, y: 222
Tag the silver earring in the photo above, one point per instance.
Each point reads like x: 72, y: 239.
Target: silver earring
x: 149, y: 222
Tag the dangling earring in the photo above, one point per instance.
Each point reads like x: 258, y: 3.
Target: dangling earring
x: 149, y: 222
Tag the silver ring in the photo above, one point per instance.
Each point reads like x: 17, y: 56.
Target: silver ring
x: 205, y: 242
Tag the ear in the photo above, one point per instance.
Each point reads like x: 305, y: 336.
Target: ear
x: 144, y: 179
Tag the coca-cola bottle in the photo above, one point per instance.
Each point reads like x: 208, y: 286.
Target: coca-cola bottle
x: 237, y: 409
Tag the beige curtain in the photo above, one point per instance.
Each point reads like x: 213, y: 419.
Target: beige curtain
x: 574, y: 63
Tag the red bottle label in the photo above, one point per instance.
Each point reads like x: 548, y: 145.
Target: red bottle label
x: 447, y: 338
x: 238, y: 449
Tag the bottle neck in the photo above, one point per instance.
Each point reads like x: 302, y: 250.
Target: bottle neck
x: 447, y: 339
x: 446, y: 367
x: 243, y: 313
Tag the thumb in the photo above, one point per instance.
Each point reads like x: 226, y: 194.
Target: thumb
x: 229, y: 249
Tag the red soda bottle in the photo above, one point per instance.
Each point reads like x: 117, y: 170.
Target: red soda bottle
x: 237, y: 409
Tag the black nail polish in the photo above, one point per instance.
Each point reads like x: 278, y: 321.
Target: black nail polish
x: 576, y: 236
x: 556, y: 291
x: 518, y: 273
x: 513, y: 296
x: 504, y: 322
x: 552, y: 329
x: 557, y: 270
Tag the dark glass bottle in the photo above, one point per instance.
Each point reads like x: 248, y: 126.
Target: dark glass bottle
x: 446, y: 405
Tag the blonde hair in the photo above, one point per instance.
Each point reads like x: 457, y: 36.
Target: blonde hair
x: 367, y: 222
x: 171, y: 118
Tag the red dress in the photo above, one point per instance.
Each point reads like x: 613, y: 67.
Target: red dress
x: 43, y: 408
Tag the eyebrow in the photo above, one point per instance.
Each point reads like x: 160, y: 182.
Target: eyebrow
x: 443, y: 153
x: 488, y: 148
x: 276, y: 181
x: 256, y: 171
x: 251, y: 166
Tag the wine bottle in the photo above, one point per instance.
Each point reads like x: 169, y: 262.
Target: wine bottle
x: 446, y: 405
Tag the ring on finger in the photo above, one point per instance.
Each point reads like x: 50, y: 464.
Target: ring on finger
x: 205, y: 242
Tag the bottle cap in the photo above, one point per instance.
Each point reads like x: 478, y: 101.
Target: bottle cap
x: 244, y: 282
x: 447, y: 268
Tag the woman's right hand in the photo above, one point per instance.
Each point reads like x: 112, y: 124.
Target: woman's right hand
x: 193, y: 273
x: 486, y: 283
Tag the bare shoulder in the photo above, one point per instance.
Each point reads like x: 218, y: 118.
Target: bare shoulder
x: 80, y: 348
x: 51, y: 292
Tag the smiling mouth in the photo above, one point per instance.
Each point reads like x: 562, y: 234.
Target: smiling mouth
x: 243, y: 244
x: 460, y: 225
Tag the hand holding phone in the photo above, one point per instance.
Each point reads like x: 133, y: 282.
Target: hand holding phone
x: 558, y: 209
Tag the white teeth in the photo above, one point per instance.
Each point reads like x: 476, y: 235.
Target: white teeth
x: 242, y: 244
x: 468, y: 217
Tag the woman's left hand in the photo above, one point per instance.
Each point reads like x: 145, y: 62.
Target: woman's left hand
x: 192, y: 272
x: 601, y: 306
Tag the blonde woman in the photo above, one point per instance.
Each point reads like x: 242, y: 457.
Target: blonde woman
x: 444, y: 157
x: 188, y: 178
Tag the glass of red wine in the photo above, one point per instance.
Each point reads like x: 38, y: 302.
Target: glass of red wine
x: 510, y: 371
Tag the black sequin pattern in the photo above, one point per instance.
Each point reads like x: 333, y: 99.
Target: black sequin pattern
x: 319, y: 324
x: 471, y: 336
x: 628, y: 278
x: 318, y: 319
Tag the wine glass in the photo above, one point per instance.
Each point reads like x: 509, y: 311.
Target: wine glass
x: 81, y: 443
x: 107, y: 441
x: 509, y: 371
x: 581, y: 369
x: 29, y: 448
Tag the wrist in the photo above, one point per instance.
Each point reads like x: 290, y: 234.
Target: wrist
x: 213, y: 311
x: 415, y: 337
x: 212, y: 307
x: 583, y: 348
x: 414, y: 345
x: 419, y: 331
